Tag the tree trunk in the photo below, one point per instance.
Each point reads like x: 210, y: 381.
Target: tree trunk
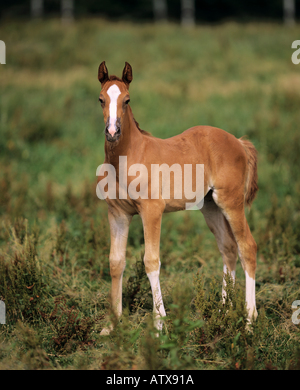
x: 289, y: 12
x: 37, y: 8
x: 67, y: 11
x: 188, y: 13
x: 160, y: 10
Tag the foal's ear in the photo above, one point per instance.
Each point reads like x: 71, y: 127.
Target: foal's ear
x: 103, y: 73
x: 127, y: 74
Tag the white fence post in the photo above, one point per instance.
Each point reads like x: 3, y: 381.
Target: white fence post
x: 37, y: 8
x: 160, y: 10
x: 289, y: 11
x: 188, y: 13
x: 67, y: 11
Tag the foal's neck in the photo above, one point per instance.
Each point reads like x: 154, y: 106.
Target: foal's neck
x: 129, y: 139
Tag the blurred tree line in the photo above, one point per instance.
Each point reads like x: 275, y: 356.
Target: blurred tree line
x: 144, y: 10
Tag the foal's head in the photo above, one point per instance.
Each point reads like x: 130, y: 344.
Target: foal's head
x: 114, y: 99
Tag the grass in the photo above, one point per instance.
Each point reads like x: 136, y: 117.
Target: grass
x: 54, y: 233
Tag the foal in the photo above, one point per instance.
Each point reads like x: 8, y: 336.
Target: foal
x: 229, y: 183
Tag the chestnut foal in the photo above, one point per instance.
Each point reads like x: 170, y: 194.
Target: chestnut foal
x: 230, y: 184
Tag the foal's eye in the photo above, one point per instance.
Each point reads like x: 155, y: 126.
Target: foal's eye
x: 101, y: 100
x: 127, y: 101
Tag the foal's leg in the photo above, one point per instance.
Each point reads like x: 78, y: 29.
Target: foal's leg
x: 119, y: 227
x: 151, y: 217
x: 227, y: 245
x: 233, y: 209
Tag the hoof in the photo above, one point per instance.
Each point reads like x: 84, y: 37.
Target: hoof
x: 251, y: 321
x: 249, y: 327
x: 106, y: 331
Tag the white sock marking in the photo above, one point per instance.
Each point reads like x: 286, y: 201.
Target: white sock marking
x: 158, y: 306
x: 250, y: 296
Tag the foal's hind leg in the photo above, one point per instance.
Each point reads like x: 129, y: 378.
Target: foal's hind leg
x: 233, y: 209
x: 227, y: 245
x: 151, y: 214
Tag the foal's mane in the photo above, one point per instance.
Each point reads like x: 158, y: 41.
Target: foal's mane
x: 142, y: 131
x: 111, y: 78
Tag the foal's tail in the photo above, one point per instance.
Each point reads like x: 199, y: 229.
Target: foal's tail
x: 251, y: 186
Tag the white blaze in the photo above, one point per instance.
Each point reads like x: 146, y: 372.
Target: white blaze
x: 113, y: 93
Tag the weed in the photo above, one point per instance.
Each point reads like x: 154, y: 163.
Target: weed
x: 71, y: 331
x: 30, y: 353
x: 21, y: 277
x: 137, y: 294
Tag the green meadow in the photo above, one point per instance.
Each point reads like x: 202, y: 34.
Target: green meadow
x: 54, y: 233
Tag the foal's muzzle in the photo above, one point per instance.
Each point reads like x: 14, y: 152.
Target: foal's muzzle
x: 116, y: 134
x: 112, y: 138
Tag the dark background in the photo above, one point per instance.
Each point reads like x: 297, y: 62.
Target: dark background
x: 142, y: 10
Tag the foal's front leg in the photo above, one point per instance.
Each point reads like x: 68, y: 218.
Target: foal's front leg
x: 151, y: 217
x: 119, y: 227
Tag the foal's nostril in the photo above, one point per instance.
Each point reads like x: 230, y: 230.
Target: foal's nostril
x: 112, y: 137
